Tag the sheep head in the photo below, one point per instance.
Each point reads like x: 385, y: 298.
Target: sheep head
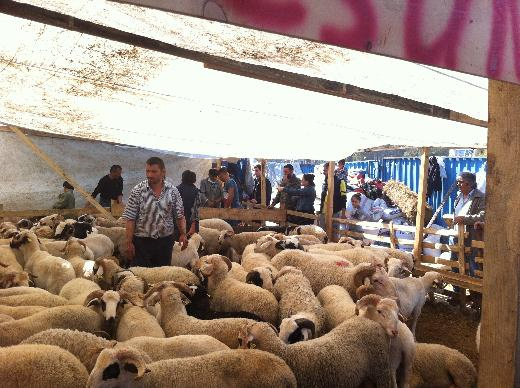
x: 168, y: 289
x: 363, y: 271
x: 288, y: 243
x: 207, y: 265
x: 118, y: 367
x: 297, y: 328
x: 24, y: 238
x: 24, y: 223
x: 88, y: 219
x: 396, y: 268
x: 384, y: 311
x: 378, y: 283
x: 51, y: 221
x: 261, y: 277
x: 109, y: 301
x: 253, y: 335
x: 434, y: 280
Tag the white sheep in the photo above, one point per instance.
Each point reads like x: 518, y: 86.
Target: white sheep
x: 338, y: 305
x: 329, y: 246
x: 252, y: 259
x: 33, y: 299
x: 353, y: 354
x: 80, y: 256
x: 167, y: 273
x: 40, y: 366
x: 7, y: 229
x: 77, y: 290
x: 210, y: 237
x: 314, y: 230
x: 12, y: 258
x: 397, y: 269
x: 117, y: 235
x: 99, y: 244
x: 50, y: 272
x: 261, y: 277
x: 52, y: 221
x: 43, y: 231
x: 238, y: 241
x: 321, y: 273
x: 124, y: 366
x: 402, y: 344
x: 175, y: 321
x: 10, y: 278
x: 215, y: 223
x: 238, y: 272
x: 184, y: 258
x: 439, y: 366
x: 355, y: 256
x: 230, y: 295
x: 295, y: 296
x: 63, y: 317
x: 411, y: 292
x: 21, y: 311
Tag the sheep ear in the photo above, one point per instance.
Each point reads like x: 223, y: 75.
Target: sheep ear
x: 227, y: 261
x: 401, y: 318
x: 362, y: 273
x: 93, y: 302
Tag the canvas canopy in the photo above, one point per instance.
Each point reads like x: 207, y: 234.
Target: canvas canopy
x: 63, y: 82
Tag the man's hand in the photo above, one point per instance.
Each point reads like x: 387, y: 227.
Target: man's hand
x: 253, y: 200
x: 130, y: 250
x: 183, y: 240
x: 459, y: 220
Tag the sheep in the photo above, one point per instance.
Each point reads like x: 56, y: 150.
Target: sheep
x: 262, y: 277
x: 126, y: 281
x: 439, y: 366
x: 411, y: 292
x: 135, y: 321
x: 238, y: 241
x: 215, y: 223
x: 295, y: 296
x: 355, y: 255
x: 80, y: 256
x: 252, y: 259
x: 354, y: 353
x: 105, y: 268
x: 386, y: 253
x: 312, y: 230
x: 64, y: 230
x: 402, y: 344
x: 102, y: 221
x: 13, y: 258
x: 40, y: 366
x: 330, y: 247
x: 238, y: 272
x: 55, y: 248
x: 51, y: 221
x: 321, y: 274
x: 100, y: 245
x: 83, y: 229
x: 43, y: 231
x: 228, y: 368
x: 228, y: 294
x: 64, y: 317
x: 77, y: 290
x: 9, y: 278
x: 7, y: 229
x: 117, y: 235
x: 33, y: 299
x: 159, y: 274
x: 21, y: 311
x: 184, y: 258
x: 175, y: 321
x: 397, y: 269
x: 338, y: 305
x: 210, y: 237
x: 21, y: 290
x: 5, y: 318
x: 50, y: 272
x: 84, y: 346
x: 24, y: 223
x: 110, y: 302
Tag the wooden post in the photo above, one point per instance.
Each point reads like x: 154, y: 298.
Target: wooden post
x: 421, y: 206
x: 462, y: 263
x: 263, y: 194
x: 52, y: 164
x: 499, y: 364
x: 330, y: 201
x: 219, y: 163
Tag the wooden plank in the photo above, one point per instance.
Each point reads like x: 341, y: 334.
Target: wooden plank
x: 58, y: 170
x: 393, y: 239
x: 479, y: 260
x: 338, y: 89
x: 464, y: 281
x: 478, y: 244
x: 462, y: 250
x: 274, y: 215
x: 499, y: 364
x: 441, y: 232
x: 439, y: 260
x: 372, y: 237
x: 479, y: 273
x: 304, y: 215
x: 421, y: 205
x: 47, y: 212
x: 263, y: 193
x: 378, y: 225
x: 330, y: 201
x: 442, y: 247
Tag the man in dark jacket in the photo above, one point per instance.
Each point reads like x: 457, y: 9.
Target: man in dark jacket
x: 291, y: 181
x: 110, y: 187
x: 256, y: 195
x: 192, y: 200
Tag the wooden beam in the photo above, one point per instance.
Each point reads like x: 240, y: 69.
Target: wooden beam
x: 499, y: 364
x: 218, y: 163
x: 263, y: 192
x: 338, y: 89
x: 58, y: 170
x: 330, y: 201
x: 455, y: 279
x: 274, y: 215
x: 421, y: 205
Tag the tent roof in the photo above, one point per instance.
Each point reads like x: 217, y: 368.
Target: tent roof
x: 63, y: 82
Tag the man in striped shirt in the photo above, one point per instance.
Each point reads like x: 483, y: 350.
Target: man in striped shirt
x: 151, y: 212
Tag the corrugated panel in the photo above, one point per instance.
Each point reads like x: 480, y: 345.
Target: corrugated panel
x: 404, y: 170
x: 370, y: 166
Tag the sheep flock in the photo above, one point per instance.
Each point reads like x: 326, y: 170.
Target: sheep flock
x: 251, y: 309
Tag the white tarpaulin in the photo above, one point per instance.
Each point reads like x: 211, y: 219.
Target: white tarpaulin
x: 63, y: 82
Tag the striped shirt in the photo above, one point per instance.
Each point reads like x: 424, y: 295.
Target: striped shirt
x: 154, y: 217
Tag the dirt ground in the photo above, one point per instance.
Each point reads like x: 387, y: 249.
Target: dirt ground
x: 444, y: 324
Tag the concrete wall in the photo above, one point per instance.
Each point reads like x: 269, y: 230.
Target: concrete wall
x: 27, y: 183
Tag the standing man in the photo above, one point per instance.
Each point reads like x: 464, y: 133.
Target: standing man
x: 152, y: 210
x: 291, y: 181
x: 231, y: 198
x: 110, y: 187
x: 256, y: 195
x: 212, y: 190
x: 340, y: 171
x: 192, y: 200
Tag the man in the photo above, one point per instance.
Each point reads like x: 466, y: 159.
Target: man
x: 469, y: 209
x: 291, y: 181
x: 110, y: 187
x: 231, y: 197
x: 66, y: 199
x: 192, y: 200
x: 153, y: 207
x: 211, y: 189
x: 339, y: 200
x: 256, y: 195
x: 340, y: 171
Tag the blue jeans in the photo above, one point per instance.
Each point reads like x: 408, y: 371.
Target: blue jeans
x: 105, y: 202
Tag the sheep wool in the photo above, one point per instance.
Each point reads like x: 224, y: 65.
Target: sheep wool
x: 338, y: 305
